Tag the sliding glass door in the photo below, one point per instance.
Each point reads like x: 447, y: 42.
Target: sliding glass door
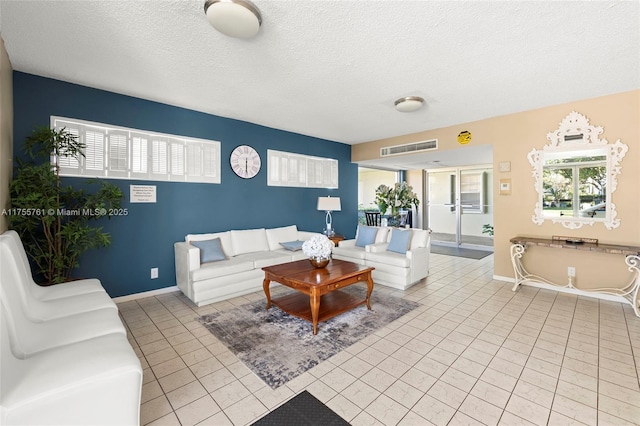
x: 459, y: 206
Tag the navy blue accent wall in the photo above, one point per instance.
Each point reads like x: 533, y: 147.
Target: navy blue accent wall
x: 144, y: 239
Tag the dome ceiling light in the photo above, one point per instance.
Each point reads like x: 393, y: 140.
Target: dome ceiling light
x: 235, y: 18
x: 409, y: 103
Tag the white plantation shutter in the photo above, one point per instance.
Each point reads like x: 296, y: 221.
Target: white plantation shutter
x: 139, y: 156
x: 122, y: 153
x: 273, y: 165
x: 94, y: 152
x: 177, y: 160
x: 297, y: 170
x: 210, y: 160
x: 158, y: 157
x: 118, y: 154
x: 194, y: 160
x: 69, y: 164
x: 302, y: 174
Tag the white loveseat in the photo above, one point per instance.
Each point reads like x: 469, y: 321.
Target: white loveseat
x: 392, y: 269
x: 246, y: 252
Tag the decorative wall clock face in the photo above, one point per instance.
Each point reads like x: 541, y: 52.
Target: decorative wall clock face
x: 245, y: 161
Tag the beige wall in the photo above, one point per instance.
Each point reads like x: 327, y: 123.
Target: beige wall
x: 512, y: 137
x: 6, y: 131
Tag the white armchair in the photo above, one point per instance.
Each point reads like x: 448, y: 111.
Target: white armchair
x: 36, y: 326
x: 58, y: 300
x: 96, y: 382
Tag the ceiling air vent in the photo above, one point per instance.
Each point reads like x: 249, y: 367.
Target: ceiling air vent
x: 408, y: 148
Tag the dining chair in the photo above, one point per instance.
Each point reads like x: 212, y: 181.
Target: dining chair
x: 373, y: 218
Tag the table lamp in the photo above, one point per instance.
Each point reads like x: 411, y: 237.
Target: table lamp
x: 329, y: 204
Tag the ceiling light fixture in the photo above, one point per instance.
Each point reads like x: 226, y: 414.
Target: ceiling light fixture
x: 409, y: 103
x: 235, y: 18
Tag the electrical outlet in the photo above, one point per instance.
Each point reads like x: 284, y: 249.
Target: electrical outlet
x: 571, y: 271
x: 154, y: 273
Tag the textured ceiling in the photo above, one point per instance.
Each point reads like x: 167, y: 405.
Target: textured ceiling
x: 332, y: 69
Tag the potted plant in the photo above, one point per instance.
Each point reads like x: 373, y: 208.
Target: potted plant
x: 54, y: 220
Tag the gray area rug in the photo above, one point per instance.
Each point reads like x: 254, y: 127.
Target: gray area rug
x: 278, y: 347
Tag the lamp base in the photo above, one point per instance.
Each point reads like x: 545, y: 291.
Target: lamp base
x: 329, y: 232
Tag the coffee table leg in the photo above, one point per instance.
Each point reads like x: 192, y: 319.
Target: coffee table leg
x: 315, y: 309
x: 369, y: 290
x: 265, y: 285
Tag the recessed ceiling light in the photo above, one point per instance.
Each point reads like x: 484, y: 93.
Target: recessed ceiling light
x: 409, y: 103
x: 235, y: 18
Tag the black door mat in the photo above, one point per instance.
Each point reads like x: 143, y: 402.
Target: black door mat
x: 460, y: 252
x: 302, y: 410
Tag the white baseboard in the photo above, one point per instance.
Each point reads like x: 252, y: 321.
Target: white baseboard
x: 609, y: 297
x: 145, y: 294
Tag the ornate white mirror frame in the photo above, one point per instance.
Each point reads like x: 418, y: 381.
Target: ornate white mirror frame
x: 575, y: 136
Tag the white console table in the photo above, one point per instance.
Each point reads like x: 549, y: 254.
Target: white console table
x: 631, y: 292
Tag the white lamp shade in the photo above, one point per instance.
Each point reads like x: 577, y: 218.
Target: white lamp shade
x: 236, y: 18
x: 329, y: 204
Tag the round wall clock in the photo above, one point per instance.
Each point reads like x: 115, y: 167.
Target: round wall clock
x: 245, y: 161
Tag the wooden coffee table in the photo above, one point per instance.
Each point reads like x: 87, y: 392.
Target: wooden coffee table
x: 317, y: 297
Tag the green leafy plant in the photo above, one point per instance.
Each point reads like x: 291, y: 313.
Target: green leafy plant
x: 383, y: 195
x: 398, y: 197
x: 487, y: 229
x: 54, y: 220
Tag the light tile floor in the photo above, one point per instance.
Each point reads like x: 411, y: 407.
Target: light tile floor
x: 474, y: 352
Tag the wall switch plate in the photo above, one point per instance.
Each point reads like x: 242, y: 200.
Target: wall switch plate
x: 571, y: 271
x: 154, y: 273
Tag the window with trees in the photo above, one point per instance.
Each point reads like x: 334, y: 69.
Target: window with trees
x: 575, y: 186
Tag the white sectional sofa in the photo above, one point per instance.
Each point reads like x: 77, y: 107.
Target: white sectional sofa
x: 64, y: 353
x: 400, y: 269
x: 238, y: 270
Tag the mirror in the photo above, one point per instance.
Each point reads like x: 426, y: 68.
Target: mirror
x: 575, y: 175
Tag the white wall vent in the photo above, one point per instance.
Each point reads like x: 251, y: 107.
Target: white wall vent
x: 408, y: 148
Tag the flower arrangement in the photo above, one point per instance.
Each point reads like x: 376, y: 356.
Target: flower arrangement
x: 383, y: 198
x: 400, y: 196
x: 318, y: 247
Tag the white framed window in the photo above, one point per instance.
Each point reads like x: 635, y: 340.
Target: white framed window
x: 123, y: 153
x: 290, y: 169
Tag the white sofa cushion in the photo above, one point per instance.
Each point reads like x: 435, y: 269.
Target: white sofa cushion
x: 219, y: 269
x: 354, y: 252
x: 275, y: 236
x: 261, y: 259
x: 249, y: 241
x: 389, y: 258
